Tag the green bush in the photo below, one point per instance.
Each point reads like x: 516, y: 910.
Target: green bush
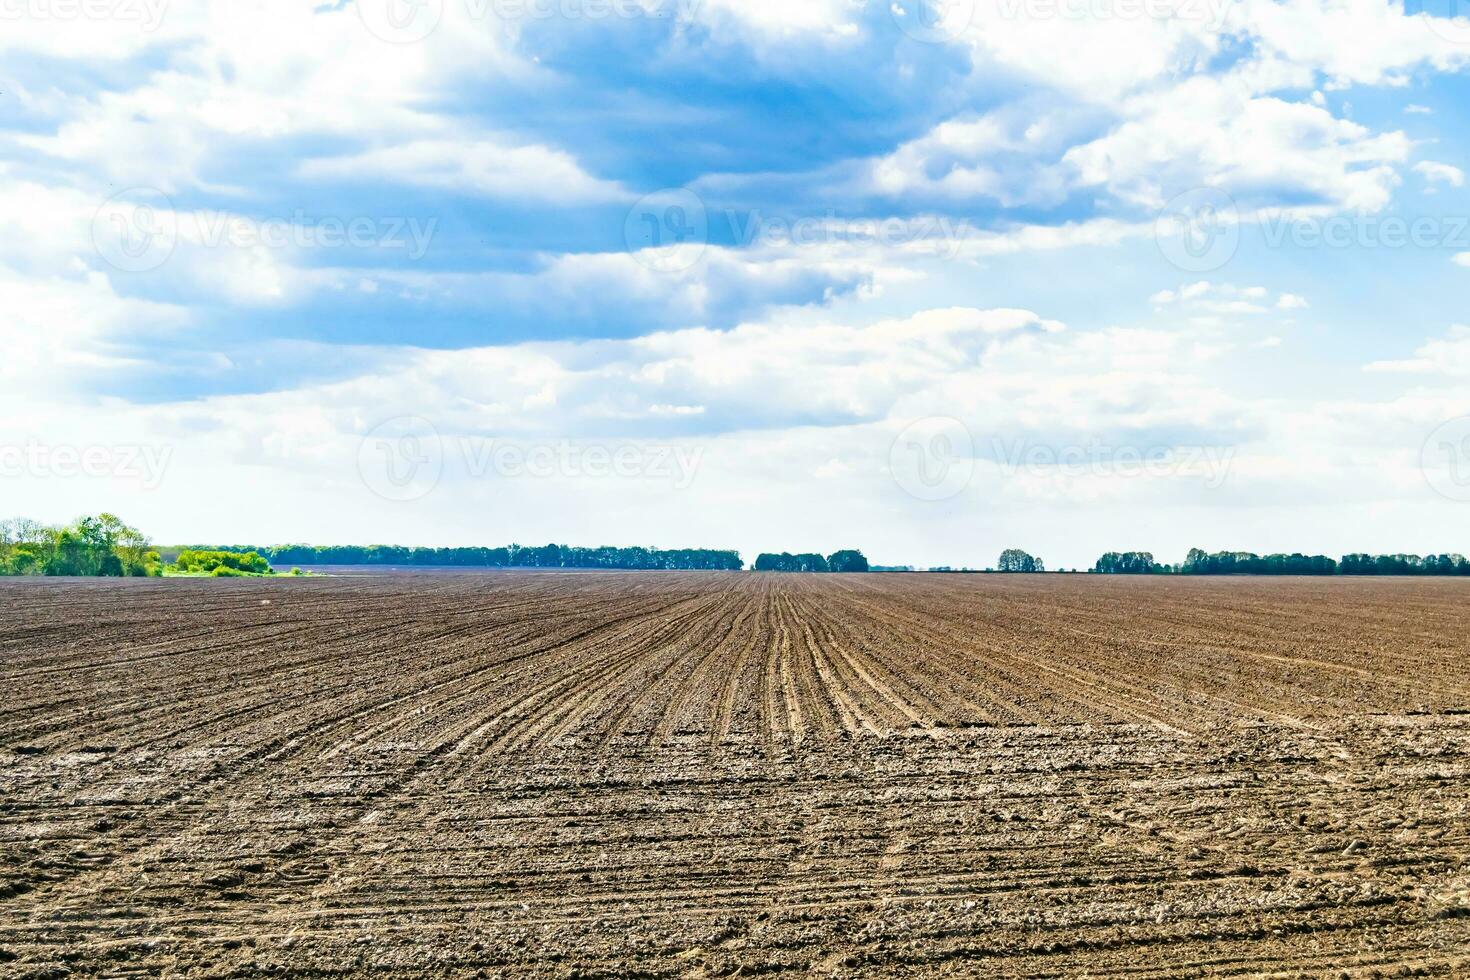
x: 211, y: 562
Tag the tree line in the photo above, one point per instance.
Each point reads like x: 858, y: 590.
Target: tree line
x: 510, y: 556
x: 839, y: 561
x: 1199, y: 562
x: 100, y: 545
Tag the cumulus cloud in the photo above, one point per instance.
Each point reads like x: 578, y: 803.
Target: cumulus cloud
x: 1444, y: 357
x: 1222, y: 300
x: 756, y: 376
x: 1212, y: 132
x: 59, y: 333
x: 1031, y: 132
x: 485, y: 167
x: 1440, y: 173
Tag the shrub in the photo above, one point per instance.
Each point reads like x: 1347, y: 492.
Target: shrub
x: 212, y: 561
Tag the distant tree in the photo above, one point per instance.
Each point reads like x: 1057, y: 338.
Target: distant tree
x: 1359, y: 564
x: 1249, y: 563
x: 101, y: 545
x: 1128, y: 563
x: 847, y: 561
x: 787, y: 562
x: 1016, y: 560
x: 511, y: 556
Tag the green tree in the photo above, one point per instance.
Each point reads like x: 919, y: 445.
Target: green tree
x: 847, y: 561
x: 1016, y: 560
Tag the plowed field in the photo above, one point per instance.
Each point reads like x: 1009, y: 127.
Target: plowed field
x: 728, y: 774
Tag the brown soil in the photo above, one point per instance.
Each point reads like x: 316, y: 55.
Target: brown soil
x: 729, y: 774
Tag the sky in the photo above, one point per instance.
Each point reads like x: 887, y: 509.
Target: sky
x: 929, y: 278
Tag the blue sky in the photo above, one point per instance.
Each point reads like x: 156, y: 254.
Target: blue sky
x: 1069, y: 275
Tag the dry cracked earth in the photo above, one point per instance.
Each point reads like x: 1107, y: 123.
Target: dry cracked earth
x: 686, y: 774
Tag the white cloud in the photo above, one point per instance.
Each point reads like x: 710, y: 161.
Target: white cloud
x: 1119, y: 114
x: 764, y: 375
x: 250, y: 69
x: 1211, y: 132
x: 484, y: 167
x: 776, y: 20
x: 59, y: 332
x: 1440, y: 173
x: 1026, y: 38
x: 1366, y: 42
x: 1224, y: 299
x: 1203, y: 131
x: 1447, y: 357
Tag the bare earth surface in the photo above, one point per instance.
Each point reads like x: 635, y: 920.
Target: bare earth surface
x: 730, y: 774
